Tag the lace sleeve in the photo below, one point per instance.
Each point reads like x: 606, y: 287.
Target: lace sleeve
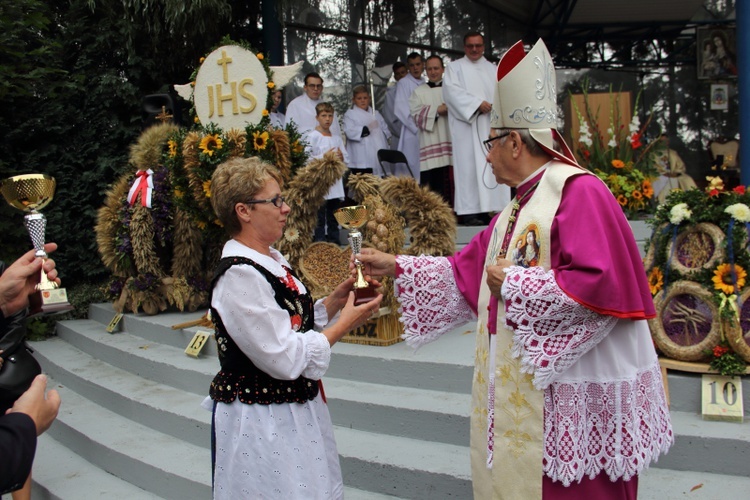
x: 431, y: 303
x: 551, y: 330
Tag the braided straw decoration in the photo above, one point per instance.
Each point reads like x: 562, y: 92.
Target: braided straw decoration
x: 282, y: 152
x: 305, y: 195
x: 432, y: 225
x: 107, y: 224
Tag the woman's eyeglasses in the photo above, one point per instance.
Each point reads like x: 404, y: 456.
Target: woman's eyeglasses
x: 488, y: 143
x: 277, y: 201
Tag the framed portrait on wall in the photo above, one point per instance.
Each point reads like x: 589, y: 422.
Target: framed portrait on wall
x: 720, y: 96
x: 717, y: 55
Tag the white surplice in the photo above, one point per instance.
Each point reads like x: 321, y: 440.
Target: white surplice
x: 277, y: 119
x: 435, y: 149
x: 465, y: 85
x: 363, y: 151
x: 394, y: 124
x: 301, y: 111
x: 408, y: 143
x: 280, y: 450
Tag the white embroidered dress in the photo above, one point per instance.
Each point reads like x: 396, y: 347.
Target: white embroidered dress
x: 278, y: 450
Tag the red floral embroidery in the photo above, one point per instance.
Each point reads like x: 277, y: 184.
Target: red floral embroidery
x: 296, y: 322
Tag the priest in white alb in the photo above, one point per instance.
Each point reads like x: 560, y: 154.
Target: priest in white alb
x: 408, y: 143
x: 468, y: 90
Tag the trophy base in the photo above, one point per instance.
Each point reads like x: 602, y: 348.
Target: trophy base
x: 364, y: 295
x: 49, y: 302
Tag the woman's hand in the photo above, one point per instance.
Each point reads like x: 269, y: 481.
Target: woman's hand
x: 376, y: 263
x: 352, y: 317
x: 337, y: 299
x: 496, y: 276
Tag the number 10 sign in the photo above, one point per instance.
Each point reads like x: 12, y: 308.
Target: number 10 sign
x: 722, y: 398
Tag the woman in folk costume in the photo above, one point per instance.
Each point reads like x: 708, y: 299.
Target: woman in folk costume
x: 366, y: 133
x: 567, y: 398
x: 271, y: 431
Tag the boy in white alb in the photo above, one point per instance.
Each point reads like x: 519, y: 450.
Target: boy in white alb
x: 366, y: 132
x: 320, y: 140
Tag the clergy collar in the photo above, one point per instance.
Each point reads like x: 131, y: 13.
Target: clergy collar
x: 435, y: 84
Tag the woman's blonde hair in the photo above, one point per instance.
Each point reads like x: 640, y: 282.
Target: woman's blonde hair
x: 238, y: 180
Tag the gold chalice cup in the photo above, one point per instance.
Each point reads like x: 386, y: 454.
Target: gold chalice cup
x: 31, y: 193
x: 353, y: 218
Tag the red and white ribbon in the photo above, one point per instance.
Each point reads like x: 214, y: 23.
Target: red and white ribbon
x: 143, y: 185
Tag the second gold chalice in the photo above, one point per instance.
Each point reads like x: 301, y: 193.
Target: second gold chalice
x: 353, y: 218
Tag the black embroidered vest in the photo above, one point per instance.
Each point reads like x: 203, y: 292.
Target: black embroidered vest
x: 239, y: 377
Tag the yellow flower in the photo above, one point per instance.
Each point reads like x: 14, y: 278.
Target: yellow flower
x: 655, y: 280
x: 260, y: 140
x: 297, y: 147
x: 271, y: 85
x: 265, y: 112
x: 637, y: 195
x: 210, y: 143
x: 201, y: 224
x: 259, y: 56
x: 172, y: 148
x: 618, y: 163
x: 218, y: 223
x: 197, y: 120
x: 724, y: 281
x: 178, y: 193
x: 201, y: 60
x: 622, y: 200
x: 207, y: 188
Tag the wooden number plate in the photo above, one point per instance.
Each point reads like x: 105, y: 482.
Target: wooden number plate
x: 197, y: 343
x: 722, y: 398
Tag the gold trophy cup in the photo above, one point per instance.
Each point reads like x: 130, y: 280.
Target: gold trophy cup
x: 31, y: 193
x: 352, y: 218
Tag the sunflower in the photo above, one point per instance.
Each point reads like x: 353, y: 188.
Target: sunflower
x: 622, y: 200
x: 618, y: 163
x: 260, y: 140
x: 725, y: 282
x: 297, y: 147
x: 655, y: 280
x: 207, y: 188
x: 259, y: 56
x: 271, y: 85
x: 265, y: 112
x: 172, y: 148
x: 637, y: 195
x: 211, y: 143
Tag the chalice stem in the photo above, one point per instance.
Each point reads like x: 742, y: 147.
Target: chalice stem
x: 36, y: 225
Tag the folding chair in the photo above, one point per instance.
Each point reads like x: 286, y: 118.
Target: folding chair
x: 393, y: 157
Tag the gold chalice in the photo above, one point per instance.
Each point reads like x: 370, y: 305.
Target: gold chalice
x: 352, y: 218
x: 31, y: 193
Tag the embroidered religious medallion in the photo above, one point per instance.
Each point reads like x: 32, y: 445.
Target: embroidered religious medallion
x: 526, y: 247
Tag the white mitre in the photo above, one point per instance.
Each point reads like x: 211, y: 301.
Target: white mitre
x: 526, y: 97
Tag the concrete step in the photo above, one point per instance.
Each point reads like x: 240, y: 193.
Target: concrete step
x: 150, y: 460
x: 61, y: 474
